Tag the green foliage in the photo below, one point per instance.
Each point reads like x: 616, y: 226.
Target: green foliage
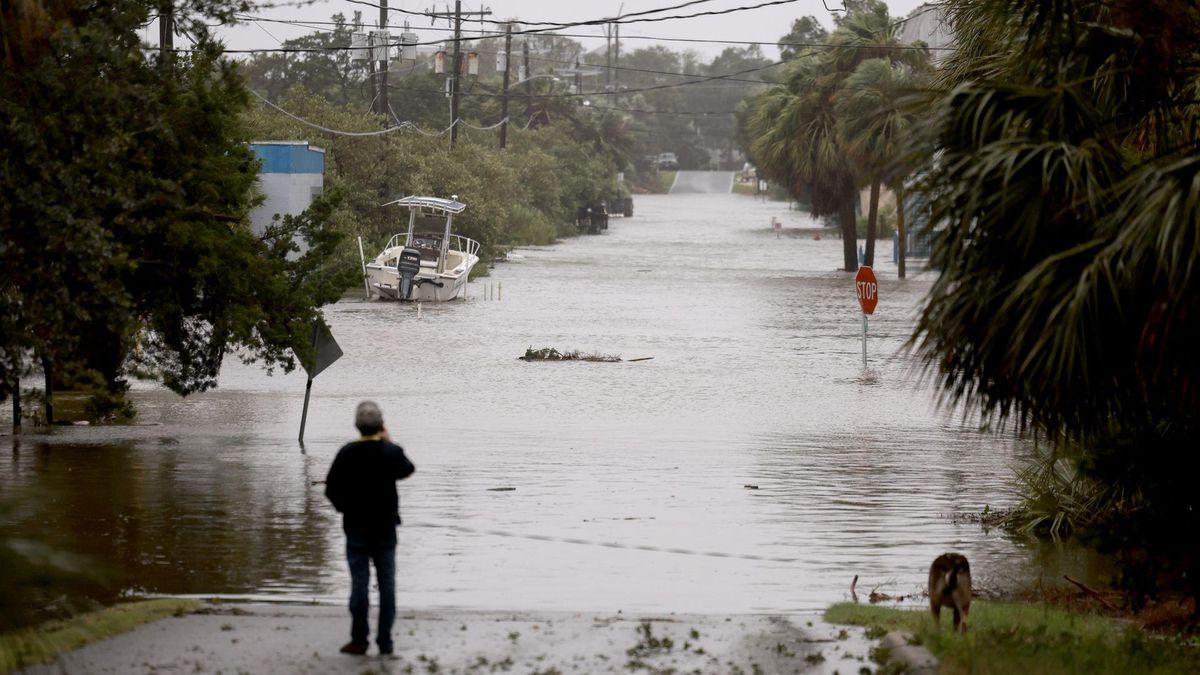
x: 318, y: 62
x: 806, y: 31
x: 885, y: 225
x: 1066, y: 193
x: 123, y: 204
x: 1058, y: 497
x: 45, y: 642
x: 665, y: 180
x: 639, y: 122
x: 525, y: 194
x: 833, y: 122
x: 1020, y: 638
x: 529, y: 226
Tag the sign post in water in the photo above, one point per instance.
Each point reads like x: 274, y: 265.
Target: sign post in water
x: 325, y: 350
x: 867, y: 289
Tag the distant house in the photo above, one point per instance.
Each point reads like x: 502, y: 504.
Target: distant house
x: 292, y: 175
x: 927, y: 23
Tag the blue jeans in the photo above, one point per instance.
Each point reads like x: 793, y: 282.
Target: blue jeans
x: 360, y: 554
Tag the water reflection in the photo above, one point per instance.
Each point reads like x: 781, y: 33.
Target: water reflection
x: 756, y: 380
x: 171, y: 517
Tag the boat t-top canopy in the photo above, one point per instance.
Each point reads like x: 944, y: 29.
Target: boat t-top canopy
x: 433, y: 203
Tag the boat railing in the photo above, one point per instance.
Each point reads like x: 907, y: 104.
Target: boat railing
x: 464, y: 244
x: 457, y: 243
x: 396, y: 240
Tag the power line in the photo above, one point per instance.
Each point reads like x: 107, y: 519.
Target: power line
x: 634, y: 90
x: 314, y: 125
x: 543, y: 59
x: 681, y: 113
x: 314, y: 25
x: 339, y: 48
x: 621, y: 16
x: 630, y: 17
x: 701, y: 79
x: 624, y: 18
x: 401, y: 125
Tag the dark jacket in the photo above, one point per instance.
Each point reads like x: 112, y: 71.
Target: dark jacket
x: 362, y: 485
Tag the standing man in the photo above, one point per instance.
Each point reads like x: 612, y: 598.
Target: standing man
x: 362, y: 485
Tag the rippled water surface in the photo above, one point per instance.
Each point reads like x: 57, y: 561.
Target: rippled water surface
x: 756, y: 379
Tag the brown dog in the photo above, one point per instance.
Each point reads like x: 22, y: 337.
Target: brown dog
x: 950, y: 584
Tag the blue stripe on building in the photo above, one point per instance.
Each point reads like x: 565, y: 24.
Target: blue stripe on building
x: 289, y: 157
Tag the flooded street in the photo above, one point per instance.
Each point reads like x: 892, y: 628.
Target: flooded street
x: 756, y: 380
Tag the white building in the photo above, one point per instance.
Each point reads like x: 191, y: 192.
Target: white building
x: 928, y: 24
x: 292, y: 175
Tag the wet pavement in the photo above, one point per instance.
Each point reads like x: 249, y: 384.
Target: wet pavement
x: 273, y: 639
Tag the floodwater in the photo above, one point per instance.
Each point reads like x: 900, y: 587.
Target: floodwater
x: 756, y: 379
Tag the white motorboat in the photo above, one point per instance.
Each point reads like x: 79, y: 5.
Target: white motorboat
x: 428, y: 263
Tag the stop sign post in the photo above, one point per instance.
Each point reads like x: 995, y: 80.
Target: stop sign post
x: 867, y: 289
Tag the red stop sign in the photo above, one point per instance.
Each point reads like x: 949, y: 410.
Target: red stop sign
x: 867, y: 289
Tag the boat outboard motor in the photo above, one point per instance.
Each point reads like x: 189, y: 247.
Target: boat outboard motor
x: 599, y: 216
x: 407, y: 266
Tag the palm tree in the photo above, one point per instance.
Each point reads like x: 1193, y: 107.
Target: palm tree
x: 796, y: 143
x: 868, y: 34
x: 795, y: 128
x: 875, y: 125
x: 1067, y: 192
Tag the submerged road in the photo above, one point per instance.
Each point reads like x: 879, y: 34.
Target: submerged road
x: 754, y: 433
x: 702, y: 182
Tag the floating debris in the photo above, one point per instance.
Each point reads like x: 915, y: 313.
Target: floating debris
x: 552, y: 354
x: 502, y: 489
x: 750, y: 487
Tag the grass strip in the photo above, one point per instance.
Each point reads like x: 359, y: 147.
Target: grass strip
x: 740, y: 188
x: 43, y: 643
x: 1009, y: 637
x: 666, y: 179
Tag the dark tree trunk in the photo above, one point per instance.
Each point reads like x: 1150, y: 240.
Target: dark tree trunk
x: 872, y: 223
x: 849, y: 236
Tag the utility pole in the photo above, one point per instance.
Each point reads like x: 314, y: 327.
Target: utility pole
x: 456, y: 74
x: 617, y: 62
x: 578, y: 79
x: 504, y: 99
x: 456, y: 77
x: 384, y: 108
x: 166, y: 31
x: 528, y: 85
x: 608, y: 29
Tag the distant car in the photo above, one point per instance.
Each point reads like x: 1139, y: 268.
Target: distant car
x: 668, y: 161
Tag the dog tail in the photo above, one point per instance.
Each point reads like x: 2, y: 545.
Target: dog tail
x: 961, y: 566
x: 951, y: 581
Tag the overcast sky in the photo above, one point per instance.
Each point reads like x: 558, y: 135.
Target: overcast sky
x: 767, y: 24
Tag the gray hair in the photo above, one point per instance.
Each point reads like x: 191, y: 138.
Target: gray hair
x: 368, y: 418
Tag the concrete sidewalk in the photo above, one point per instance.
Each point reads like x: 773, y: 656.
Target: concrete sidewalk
x: 305, y: 639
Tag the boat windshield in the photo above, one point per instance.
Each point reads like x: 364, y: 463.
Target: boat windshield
x: 428, y: 243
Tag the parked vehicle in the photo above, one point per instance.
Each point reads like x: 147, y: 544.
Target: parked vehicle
x: 592, y: 219
x: 667, y: 161
x: 620, y: 201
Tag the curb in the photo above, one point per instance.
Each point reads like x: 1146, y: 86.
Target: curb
x: 916, y: 658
